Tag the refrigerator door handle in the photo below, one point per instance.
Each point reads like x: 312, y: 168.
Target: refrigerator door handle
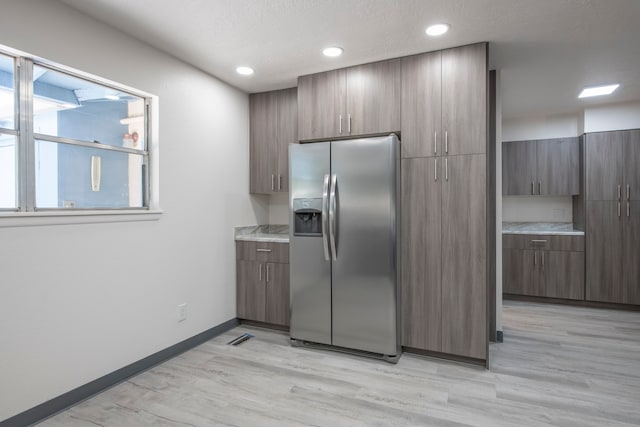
x: 332, y: 216
x: 325, y: 217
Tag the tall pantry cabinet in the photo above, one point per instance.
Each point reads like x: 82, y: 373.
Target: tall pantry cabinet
x: 444, y: 193
x: 613, y: 216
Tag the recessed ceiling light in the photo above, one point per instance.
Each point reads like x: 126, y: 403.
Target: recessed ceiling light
x: 437, y: 29
x: 597, y: 90
x: 332, y: 51
x: 112, y: 97
x: 245, y: 71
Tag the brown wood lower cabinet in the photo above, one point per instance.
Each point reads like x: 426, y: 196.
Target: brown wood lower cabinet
x: 262, y: 287
x: 543, y: 271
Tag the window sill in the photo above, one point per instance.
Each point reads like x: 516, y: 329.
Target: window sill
x: 31, y: 219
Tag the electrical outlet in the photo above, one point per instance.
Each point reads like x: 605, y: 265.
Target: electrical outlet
x: 182, y: 312
x: 68, y: 204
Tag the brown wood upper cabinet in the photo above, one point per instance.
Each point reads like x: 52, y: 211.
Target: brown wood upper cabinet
x: 273, y: 126
x: 541, y: 167
x: 444, y: 107
x: 361, y: 100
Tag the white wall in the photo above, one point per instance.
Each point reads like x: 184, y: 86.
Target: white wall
x: 279, y: 208
x: 520, y: 129
x: 612, y: 117
x: 80, y: 301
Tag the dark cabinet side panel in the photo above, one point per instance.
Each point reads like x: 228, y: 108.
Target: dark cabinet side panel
x: 421, y: 297
x: 603, y: 252
x: 464, y: 287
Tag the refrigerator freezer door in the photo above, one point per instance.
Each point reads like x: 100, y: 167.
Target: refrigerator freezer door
x: 310, y: 271
x: 364, y: 270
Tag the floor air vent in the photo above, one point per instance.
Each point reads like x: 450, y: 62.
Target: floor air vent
x: 239, y: 340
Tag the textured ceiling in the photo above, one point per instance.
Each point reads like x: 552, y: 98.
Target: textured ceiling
x: 547, y: 50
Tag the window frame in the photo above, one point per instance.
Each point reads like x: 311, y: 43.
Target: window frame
x: 26, y: 140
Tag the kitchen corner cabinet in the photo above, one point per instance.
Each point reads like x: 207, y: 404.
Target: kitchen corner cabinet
x: 273, y: 126
x: 541, y: 167
x: 262, y: 282
x: 444, y: 102
x: 613, y: 216
x: 360, y: 100
x: 543, y: 266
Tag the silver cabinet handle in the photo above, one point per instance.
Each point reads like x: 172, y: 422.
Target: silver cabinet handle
x: 349, y: 124
x: 446, y: 142
x: 340, y: 125
x: 435, y: 142
x: 260, y: 272
x: 325, y: 217
x: 446, y: 169
x: 539, y: 187
x: 263, y: 250
x: 435, y: 172
x: 279, y: 182
x: 541, y: 256
x: 538, y: 241
x: 273, y: 185
x: 628, y: 208
x: 532, y: 188
x: 267, y: 281
x: 618, y: 208
x: 535, y: 259
x: 332, y: 216
x: 619, y: 195
x: 628, y: 192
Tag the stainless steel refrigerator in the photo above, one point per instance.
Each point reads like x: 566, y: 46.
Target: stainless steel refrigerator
x: 344, y: 244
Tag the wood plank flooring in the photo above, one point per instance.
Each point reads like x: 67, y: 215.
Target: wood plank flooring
x: 559, y: 365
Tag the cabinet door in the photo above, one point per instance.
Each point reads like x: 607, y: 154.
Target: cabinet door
x: 421, y: 121
x: 250, y: 290
x: 631, y: 254
x: 558, y: 167
x: 464, y: 99
x: 519, y: 272
x: 519, y: 168
x: 603, y: 152
x: 421, y: 277
x: 263, y: 153
x: 604, y: 252
x: 321, y: 104
x: 631, y: 157
x: 277, y: 293
x: 464, y: 252
x: 373, y: 98
x: 563, y: 274
x: 287, y: 133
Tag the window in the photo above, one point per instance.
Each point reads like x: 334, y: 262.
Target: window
x: 70, y: 141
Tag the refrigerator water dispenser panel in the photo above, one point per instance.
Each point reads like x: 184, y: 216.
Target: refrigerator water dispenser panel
x: 307, y: 217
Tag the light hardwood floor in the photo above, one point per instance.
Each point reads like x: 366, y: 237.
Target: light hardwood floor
x: 559, y: 365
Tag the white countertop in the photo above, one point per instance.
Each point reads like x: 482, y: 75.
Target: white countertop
x: 547, y: 228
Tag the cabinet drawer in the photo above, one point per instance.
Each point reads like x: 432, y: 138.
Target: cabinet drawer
x: 262, y: 251
x: 543, y: 242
